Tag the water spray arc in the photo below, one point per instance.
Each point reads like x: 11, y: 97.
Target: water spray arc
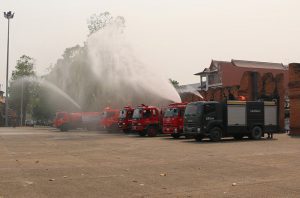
x: 122, y: 74
x: 189, y: 89
x: 51, y: 86
x: 107, y: 72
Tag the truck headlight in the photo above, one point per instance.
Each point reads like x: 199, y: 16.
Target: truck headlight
x: 198, y: 130
x: 139, y: 124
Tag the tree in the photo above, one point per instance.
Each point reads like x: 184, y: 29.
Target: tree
x: 42, y: 108
x: 99, y: 21
x: 24, y: 68
x: 175, y: 83
x: 73, y: 73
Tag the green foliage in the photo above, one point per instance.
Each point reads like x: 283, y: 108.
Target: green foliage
x: 20, y: 88
x: 175, y: 83
x: 42, y: 109
x: 72, y: 72
x: 99, y: 21
x: 24, y: 67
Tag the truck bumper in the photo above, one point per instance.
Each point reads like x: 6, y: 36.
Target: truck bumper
x: 192, y: 131
x: 172, y: 130
x: 124, y: 126
x: 138, y: 128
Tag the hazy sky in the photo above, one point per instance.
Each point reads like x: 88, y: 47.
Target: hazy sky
x: 175, y: 37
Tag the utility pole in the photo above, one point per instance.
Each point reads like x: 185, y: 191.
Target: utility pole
x: 8, y: 15
x: 22, y: 96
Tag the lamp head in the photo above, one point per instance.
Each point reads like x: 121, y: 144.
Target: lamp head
x: 9, y: 15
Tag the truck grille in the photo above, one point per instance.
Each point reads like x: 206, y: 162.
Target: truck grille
x: 190, y: 124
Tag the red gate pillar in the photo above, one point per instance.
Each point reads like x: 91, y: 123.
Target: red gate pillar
x: 294, y: 95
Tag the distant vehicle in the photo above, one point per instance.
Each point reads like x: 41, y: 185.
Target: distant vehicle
x: 173, y: 119
x: 147, y: 120
x: 110, y: 119
x: 125, y: 119
x: 66, y: 121
x: 29, y: 123
x: 44, y: 122
x: 230, y: 119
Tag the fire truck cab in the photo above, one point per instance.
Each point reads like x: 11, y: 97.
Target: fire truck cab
x: 125, y: 119
x: 146, y: 120
x: 173, y: 119
x: 110, y: 119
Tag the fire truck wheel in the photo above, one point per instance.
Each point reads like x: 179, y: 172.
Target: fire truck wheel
x: 215, y: 134
x: 142, y: 133
x: 175, y: 135
x: 152, y: 131
x: 256, y: 133
x: 199, y: 138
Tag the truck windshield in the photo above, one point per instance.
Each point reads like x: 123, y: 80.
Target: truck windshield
x: 137, y: 113
x: 193, y: 109
x: 123, y: 113
x: 171, y: 112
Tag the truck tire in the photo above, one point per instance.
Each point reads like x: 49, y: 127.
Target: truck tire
x: 238, y: 136
x: 256, y: 133
x: 142, y: 133
x: 215, y: 134
x: 175, y: 135
x: 152, y: 131
x: 199, y: 138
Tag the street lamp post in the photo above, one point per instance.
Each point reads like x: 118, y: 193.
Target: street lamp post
x: 9, y: 15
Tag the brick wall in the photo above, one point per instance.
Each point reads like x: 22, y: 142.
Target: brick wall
x: 294, y: 95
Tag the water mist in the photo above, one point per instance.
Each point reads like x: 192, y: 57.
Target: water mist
x: 46, y: 84
x: 189, y: 89
x: 121, y: 75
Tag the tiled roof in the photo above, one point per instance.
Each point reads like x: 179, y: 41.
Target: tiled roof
x: 214, y: 67
x: 242, y: 63
x: 256, y: 64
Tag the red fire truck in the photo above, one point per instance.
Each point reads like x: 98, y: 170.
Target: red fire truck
x: 65, y: 121
x: 147, y: 120
x: 110, y: 119
x: 125, y: 119
x: 173, y: 119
